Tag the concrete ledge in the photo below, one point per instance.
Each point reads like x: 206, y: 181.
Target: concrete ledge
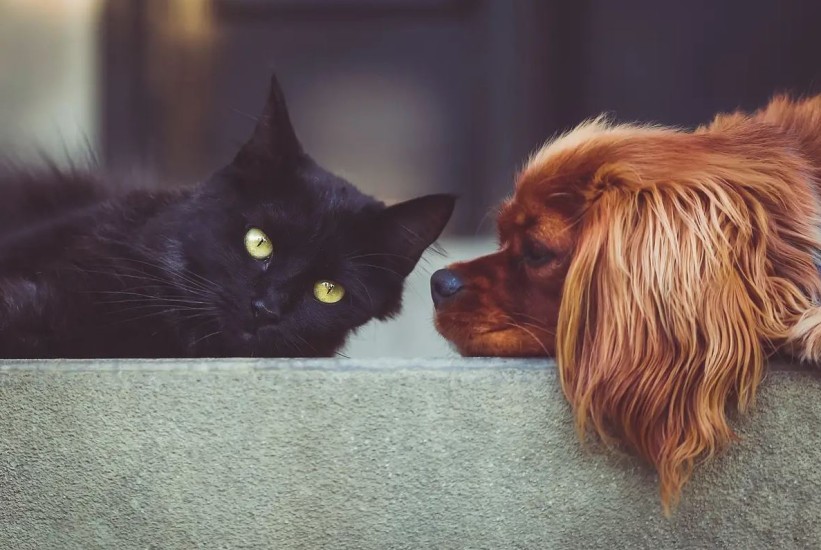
x: 375, y: 454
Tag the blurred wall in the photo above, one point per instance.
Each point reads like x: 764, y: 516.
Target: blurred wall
x: 680, y: 62
x: 402, y: 97
x: 48, y: 91
x: 405, y: 97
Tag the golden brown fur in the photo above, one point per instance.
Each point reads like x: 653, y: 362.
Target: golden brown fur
x: 672, y: 264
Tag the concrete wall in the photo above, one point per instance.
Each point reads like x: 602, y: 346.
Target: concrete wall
x: 371, y: 454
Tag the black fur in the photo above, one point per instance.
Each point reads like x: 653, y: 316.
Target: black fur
x: 86, y: 272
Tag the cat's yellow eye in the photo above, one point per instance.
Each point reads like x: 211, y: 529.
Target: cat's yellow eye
x: 328, y: 292
x: 258, y: 244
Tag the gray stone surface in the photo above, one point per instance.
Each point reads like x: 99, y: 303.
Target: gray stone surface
x: 372, y: 454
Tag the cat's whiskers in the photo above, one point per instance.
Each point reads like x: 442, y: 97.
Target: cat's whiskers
x: 376, y: 254
x: 207, y: 336
x: 364, y: 288
x: 183, y: 273
x: 170, y: 308
x: 165, y: 310
x: 118, y: 275
x: 304, y: 341
x: 205, y: 320
x: 139, y: 317
x: 142, y: 276
x: 184, y: 276
x: 139, y: 297
x: 144, y: 291
x: 198, y: 298
x: 383, y: 268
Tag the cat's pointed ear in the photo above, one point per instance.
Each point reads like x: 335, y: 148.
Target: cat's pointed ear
x: 273, y: 143
x: 410, y: 227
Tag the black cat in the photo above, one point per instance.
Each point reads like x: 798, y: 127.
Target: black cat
x: 272, y: 256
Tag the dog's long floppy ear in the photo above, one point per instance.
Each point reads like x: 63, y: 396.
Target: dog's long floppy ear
x: 667, y: 301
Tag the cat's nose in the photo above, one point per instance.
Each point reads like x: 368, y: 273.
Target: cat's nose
x: 444, y: 284
x: 265, y: 313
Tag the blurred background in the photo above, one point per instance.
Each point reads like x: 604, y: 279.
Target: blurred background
x: 401, y: 97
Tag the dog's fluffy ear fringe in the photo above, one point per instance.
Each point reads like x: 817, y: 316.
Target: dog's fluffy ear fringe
x: 670, y: 307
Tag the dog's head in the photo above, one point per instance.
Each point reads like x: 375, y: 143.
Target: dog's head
x: 658, y: 266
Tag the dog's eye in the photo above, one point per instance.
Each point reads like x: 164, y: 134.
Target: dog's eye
x: 535, y: 254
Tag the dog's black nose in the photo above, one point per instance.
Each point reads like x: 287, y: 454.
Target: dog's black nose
x: 444, y: 284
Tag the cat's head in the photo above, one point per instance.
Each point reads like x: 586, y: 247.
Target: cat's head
x: 290, y: 257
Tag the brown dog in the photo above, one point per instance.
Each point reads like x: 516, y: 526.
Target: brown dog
x: 661, y: 268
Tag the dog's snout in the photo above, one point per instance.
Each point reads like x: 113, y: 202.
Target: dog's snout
x: 444, y: 284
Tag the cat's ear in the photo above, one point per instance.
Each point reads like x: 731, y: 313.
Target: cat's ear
x: 410, y: 227
x: 273, y: 144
